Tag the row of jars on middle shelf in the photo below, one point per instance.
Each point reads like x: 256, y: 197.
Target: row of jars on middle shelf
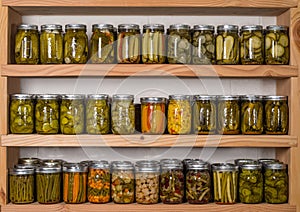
x: 180, y: 114
x: 171, y: 181
x: 183, y: 45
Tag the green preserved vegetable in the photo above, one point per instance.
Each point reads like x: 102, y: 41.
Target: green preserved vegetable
x: 27, y: 44
x: 47, y: 114
x: 179, y: 44
x: 203, y: 51
x: 21, y: 114
x: 277, y: 50
x: 75, y: 44
x: 153, y: 44
x: 103, y: 44
x: 251, y: 183
x: 122, y: 114
x: 227, y: 45
x: 252, y: 115
x: 72, y: 114
x: 97, y: 114
x: 51, y: 44
x: 128, y: 48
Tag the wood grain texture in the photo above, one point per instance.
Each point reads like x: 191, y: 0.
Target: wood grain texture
x: 149, y: 70
x: 3, y: 106
x: 3, y: 34
x: 140, y: 140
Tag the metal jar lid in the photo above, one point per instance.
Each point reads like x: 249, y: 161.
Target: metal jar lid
x: 167, y: 165
x: 204, y: 27
x: 154, y: 27
x: 51, y: 27
x: 86, y: 162
x: 102, y: 26
x: 122, y: 165
x: 72, y: 96
x: 75, y: 26
x: 48, y: 169
x: 21, y: 96
x: 267, y: 160
x: 251, y: 97
x: 123, y: 97
x: 147, y: 166
x: 48, y: 96
x: 29, y: 161
x: 28, y: 27
x: 228, y: 97
x: 257, y: 166
x: 153, y: 100
x: 275, y: 166
x: 224, y: 167
x: 277, y: 28
x: 197, y: 166
x: 147, y: 162
x: 180, y: 26
x: 53, y: 162
x: 74, y: 167
x: 162, y: 161
x: 97, y: 96
x: 205, y: 97
x: 26, y: 166
x: 101, y: 164
x: 17, y: 171
x: 227, y: 28
x: 240, y: 162
x: 128, y: 26
x: 180, y: 97
x: 251, y: 28
x: 275, y: 98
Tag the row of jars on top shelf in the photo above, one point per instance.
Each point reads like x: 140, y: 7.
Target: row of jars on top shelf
x: 171, y: 181
x: 183, y: 45
x: 182, y: 114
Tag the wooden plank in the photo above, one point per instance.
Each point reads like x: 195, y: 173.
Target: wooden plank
x: 280, y: 71
x: 3, y: 34
x: 3, y: 106
x: 140, y: 140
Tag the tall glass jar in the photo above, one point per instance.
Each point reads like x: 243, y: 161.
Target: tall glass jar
x: 21, y: 114
x: 122, y: 183
x: 179, y: 44
x: 276, y: 183
x: 27, y: 44
x: 153, y: 44
x: 72, y: 114
x: 128, y: 49
x: 99, y: 182
x: 51, y: 44
x: 21, y: 186
x: 205, y: 115
x: 75, y: 44
x: 276, y: 115
x: 48, y: 184
x: 97, y: 114
x: 103, y: 44
x: 251, y: 183
x: 252, y: 115
x: 74, y: 183
x: 204, y: 42
x: 147, y: 182
x: 227, y: 45
x: 47, y: 114
x: 277, y: 49
x: 225, y: 178
x: 122, y: 114
x: 153, y: 117
x: 229, y: 115
x: 179, y: 114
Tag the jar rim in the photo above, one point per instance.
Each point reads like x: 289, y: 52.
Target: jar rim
x: 123, y: 96
x: 275, y: 97
x: 242, y: 161
x: 154, y: 26
x: 48, y: 169
x: 74, y: 167
x: 251, y: 97
x: 128, y: 26
x: 224, y: 167
x: 180, y: 26
x: 205, y: 97
x: 102, y: 26
x: 251, y: 166
x: 51, y: 27
x: 21, y: 96
x: 29, y: 160
x: 28, y: 27
x: 153, y: 100
x: 277, y: 27
x: 99, y: 164
x: 18, y: 171
x: 227, y: 27
x: 48, y: 96
x: 97, y: 96
x: 180, y: 97
x: 233, y: 97
x: 72, y: 96
x: 251, y: 27
x: 122, y: 165
x: 75, y: 26
x: 276, y: 166
x: 204, y: 27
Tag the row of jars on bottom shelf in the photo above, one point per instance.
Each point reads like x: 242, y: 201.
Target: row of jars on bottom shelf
x: 170, y: 181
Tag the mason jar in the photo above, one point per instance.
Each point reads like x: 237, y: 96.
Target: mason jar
x: 74, y: 183
x: 51, y: 44
x: 179, y: 44
x: 47, y: 114
x: 27, y: 44
x: 153, y: 115
x: 153, y: 44
x: 277, y: 48
x: 72, y: 114
x: 97, y: 114
x: 75, y: 44
x: 227, y: 45
x: 128, y: 49
x: 99, y: 182
x: 179, y: 114
x: 21, y: 114
x: 103, y: 44
x: 276, y: 115
x: 122, y: 114
x: 252, y: 45
x: 122, y: 182
x: 252, y: 115
x: 204, y: 44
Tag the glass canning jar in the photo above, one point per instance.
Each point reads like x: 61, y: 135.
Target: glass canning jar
x: 27, y: 44
x: 51, y: 44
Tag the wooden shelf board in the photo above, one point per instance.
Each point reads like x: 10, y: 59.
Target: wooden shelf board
x: 140, y: 140
x: 114, y: 70
x: 155, y: 207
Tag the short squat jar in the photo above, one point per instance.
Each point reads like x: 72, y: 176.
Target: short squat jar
x: 75, y: 44
x: 252, y: 115
x: 252, y: 45
x: 21, y: 114
x: 203, y: 49
x: 27, y: 44
x: 51, y: 44
x: 227, y: 45
x: 128, y: 49
x: 277, y: 49
x: 97, y: 114
x: 47, y: 114
x: 72, y: 114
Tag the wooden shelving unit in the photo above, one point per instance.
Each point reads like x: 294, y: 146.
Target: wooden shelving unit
x: 287, y: 80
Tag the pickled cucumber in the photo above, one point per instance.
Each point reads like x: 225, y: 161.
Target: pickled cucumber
x: 252, y: 116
